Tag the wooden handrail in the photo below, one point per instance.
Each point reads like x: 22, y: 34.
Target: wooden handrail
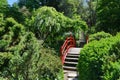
x: 69, y: 42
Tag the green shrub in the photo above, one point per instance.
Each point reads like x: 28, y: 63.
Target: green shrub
x: 22, y: 57
x: 99, y: 35
x: 100, y: 60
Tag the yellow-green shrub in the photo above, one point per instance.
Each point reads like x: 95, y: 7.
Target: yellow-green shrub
x: 22, y: 57
x: 99, y: 35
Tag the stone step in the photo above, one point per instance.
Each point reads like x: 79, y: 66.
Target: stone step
x: 68, y: 71
x: 69, y: 68
x: 73, y: 55
x: 70, y: 65
x: 73, y: 74
x: 70, y: 75
x: 74, y: 50
x: 66, y: 62
x: 67, y: 58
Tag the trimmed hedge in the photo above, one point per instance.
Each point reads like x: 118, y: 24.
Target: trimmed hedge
x: 100, y: 60
x: 99, y: 35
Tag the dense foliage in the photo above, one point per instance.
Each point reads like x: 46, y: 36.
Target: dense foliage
x: 100, y: 60
x: 3, y: 6
x: 35, y: 4
x: 14, y: 12
x: 22, y: 57
x: 69, y: 7
x: 87, y: 11
x: 98, y: 36
x: 50, y: 25
x: 108, y: 16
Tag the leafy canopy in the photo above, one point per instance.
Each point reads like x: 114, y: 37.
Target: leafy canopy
x: 50, y: 25
x: 108, y: 16
x: 69, y: 7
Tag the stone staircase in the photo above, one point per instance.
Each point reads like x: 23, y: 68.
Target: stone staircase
x: 70, y: 69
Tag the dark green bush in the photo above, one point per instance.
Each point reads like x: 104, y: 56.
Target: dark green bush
x: 99, y: 35
x: 100, y: 60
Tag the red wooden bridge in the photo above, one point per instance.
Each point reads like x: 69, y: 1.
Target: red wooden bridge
x: 69, y: 57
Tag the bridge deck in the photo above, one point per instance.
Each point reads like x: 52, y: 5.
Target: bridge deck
x: 70, y: 69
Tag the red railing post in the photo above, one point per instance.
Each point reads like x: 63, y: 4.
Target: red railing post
x: 69, y: 42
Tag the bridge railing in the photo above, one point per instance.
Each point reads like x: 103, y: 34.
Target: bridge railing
x: 69, y: 42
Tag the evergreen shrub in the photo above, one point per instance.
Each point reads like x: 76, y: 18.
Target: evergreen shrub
x: 22, y: 56
x: 99, y: 35
x: 100, y: 60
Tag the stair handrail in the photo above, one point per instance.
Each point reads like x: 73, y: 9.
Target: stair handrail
x: 68, y: 43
